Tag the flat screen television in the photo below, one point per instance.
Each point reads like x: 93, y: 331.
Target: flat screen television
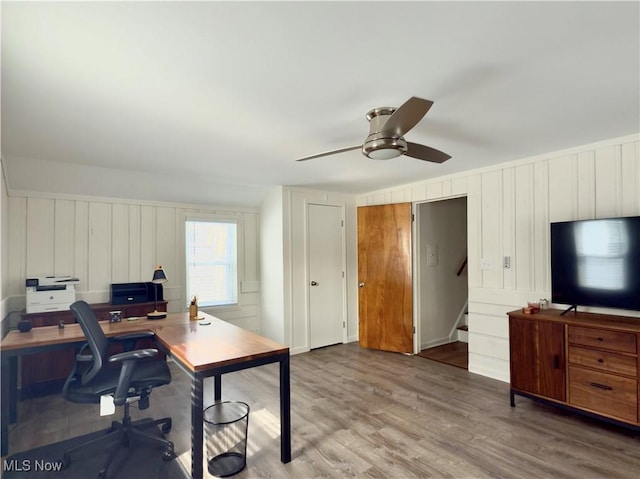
x: 596, y: 263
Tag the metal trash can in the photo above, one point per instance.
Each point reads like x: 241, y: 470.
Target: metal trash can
x: 226, y: 425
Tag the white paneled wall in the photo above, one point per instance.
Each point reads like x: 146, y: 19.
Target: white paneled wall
x: 295, y: 204
x: 4, y: 246
x: 509, y: 210
x: 103, y: 242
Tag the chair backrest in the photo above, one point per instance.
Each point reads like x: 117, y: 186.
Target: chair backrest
x: 98, y: 342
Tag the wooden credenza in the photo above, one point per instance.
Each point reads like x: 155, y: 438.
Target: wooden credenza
x: 586, y: 362
x: 45, y: 373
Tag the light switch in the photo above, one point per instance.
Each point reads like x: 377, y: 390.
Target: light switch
x: 485, y: 263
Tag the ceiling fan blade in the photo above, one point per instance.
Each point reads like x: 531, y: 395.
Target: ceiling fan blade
x: 426, y: 153
x: 327, y: 153
x: 407, y: 116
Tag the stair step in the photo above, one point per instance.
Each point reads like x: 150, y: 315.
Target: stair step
x: 463, y: 327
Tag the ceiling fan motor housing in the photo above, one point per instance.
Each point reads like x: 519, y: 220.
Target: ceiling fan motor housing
x: 381, y: 145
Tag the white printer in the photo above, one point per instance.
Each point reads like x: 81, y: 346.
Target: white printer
x: 50, y: 293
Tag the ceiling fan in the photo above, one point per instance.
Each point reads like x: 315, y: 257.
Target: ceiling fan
x: 387, y: 127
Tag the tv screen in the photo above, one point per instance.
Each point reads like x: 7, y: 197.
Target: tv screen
x: 596, y: 263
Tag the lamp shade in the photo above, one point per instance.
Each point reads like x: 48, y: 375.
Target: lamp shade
x: 159, y: 276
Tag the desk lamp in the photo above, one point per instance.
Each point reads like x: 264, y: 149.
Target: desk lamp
x: 158, y: 278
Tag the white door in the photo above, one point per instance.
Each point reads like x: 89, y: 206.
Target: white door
x: 326, y: 298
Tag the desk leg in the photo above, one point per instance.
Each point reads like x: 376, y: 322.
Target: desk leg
x: 285, y: 411
x: 197, y: 404
x: 8, y: 399
x: 217, y: 387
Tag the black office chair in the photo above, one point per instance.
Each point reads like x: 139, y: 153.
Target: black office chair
x: 128, y: 376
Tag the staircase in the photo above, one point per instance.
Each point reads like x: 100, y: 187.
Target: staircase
x: 463, y: 330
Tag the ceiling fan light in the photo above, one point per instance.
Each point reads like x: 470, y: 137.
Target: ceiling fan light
x: 379, y: 147
x: 384, y: 153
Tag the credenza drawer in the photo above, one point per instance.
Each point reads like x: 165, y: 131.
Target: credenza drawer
x: 603, y: 360
x: 604, y: 393
x: 602, y: 338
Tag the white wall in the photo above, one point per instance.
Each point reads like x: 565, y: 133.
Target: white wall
x: 103, y: 241
x: 272, y: 274
x: 509, y: 210
x: 296, y: 261
x: 283, y: 216
x: 4, y: 249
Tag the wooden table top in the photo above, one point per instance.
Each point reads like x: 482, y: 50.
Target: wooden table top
x: 194, y: 344
x: 200, y: 347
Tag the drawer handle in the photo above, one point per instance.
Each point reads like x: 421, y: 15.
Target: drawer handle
x: 556, y: 361
x: 600, y: 339
x: 601, y: 386
x: 600, y: 360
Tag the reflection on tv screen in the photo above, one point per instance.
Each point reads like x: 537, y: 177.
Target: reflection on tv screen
x: 601, y: 249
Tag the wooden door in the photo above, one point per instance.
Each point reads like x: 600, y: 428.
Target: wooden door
x: 385, y: 296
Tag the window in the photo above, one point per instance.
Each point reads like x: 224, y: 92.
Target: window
x: 212, y: 261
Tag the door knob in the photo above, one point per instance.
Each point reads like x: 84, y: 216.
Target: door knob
x: 360, y: 285
x: 314, y: 283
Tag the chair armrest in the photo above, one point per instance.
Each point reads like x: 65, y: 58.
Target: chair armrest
x: 133, y: 355
x: 129, y: 359
x: 84, y: 358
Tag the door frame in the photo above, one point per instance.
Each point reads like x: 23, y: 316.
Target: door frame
x: 416, y: 251
x: 307, y: 268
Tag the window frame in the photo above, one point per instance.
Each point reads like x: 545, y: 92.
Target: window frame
x: 214, y: 218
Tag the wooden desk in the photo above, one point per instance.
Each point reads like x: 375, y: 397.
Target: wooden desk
x: 200, y: 351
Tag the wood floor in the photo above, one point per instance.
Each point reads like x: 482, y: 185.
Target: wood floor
x: 455, y: 354
x: 370, y: 414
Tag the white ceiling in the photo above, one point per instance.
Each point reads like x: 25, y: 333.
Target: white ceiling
x: 213, y: 101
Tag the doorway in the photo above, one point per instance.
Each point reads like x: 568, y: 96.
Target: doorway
x: 325, y: 237
x: 441, y: 280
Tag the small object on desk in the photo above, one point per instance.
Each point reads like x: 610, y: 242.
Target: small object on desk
x: 115, y: 316
x: 203, y: 322
x: 61, y: 325
x: 25, y: 326
x: 526, y: 310
x: 534, y: 306
x: 193, y: 308
x: 133, y: 318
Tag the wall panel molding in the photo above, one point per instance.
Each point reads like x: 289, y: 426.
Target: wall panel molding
x: 103, y: 242
x: 509, y: 210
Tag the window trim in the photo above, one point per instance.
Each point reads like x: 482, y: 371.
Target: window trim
x: 215, y: 218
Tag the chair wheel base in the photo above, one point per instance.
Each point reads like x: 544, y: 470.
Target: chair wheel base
x: 166, y: 427
x: 168, y: 455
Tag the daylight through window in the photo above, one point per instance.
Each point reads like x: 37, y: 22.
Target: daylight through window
x: 212, y: 262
